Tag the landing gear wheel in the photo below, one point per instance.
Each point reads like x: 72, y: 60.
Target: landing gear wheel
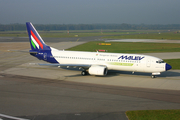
x: 83, y: 73
x: 153, y: 76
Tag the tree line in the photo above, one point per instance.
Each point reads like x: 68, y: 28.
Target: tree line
x: 124, y: 26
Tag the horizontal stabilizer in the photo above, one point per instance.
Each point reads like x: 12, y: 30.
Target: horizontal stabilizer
x: 25, y: 51
x: 31, y: 51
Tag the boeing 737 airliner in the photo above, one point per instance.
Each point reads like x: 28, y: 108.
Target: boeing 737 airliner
x: 94, y: 63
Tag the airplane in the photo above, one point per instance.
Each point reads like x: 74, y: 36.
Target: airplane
x: 93, y: 63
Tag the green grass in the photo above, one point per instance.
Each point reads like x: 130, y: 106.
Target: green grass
x: 175, y: 63
x: 13, y: 34
x: 110, y: 34
x: 121, y: 47
x: 169, y: 36
x: 154, y: 115
x: 72, y: 33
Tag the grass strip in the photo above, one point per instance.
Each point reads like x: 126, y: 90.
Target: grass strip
x: 154, y: 115
x: 74, y: 33
x: 122, y: 47
x: 175, y: 63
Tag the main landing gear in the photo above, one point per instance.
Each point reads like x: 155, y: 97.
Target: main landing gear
x: 83, y: 73
x: 153, y: 76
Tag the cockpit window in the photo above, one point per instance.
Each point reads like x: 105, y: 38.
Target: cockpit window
x: 160, y: 61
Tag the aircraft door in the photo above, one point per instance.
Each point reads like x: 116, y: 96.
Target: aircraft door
x: 148, y: 63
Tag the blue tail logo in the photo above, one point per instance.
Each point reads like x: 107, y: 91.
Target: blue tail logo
x: 36, y: 41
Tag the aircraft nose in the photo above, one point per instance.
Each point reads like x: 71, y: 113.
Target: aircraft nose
x: 168, y: 67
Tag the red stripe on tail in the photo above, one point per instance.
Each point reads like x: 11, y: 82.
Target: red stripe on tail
x: 37, y: 40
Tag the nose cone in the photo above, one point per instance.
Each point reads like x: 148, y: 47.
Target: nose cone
x: 168, y: 67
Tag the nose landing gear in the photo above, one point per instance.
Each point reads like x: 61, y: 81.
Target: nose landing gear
x: 154, y: 74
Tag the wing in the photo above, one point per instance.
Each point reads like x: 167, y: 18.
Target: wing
x: 84, y: 66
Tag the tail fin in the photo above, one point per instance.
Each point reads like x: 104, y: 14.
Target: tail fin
x: 35, y: 39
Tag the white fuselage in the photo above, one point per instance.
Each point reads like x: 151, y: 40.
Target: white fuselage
x: 113, y: 61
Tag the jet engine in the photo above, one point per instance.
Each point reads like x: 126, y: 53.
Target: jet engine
x: 98, y: 70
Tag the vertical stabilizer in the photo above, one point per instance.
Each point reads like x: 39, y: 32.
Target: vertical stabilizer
x: 36, y: 42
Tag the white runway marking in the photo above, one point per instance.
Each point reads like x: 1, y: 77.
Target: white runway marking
x: 144, y: 40
x: 11, y: 117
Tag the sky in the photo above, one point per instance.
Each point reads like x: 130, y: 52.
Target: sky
x: 90, y: 11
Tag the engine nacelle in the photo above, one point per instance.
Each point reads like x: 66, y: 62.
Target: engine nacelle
x: 98, y: 70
